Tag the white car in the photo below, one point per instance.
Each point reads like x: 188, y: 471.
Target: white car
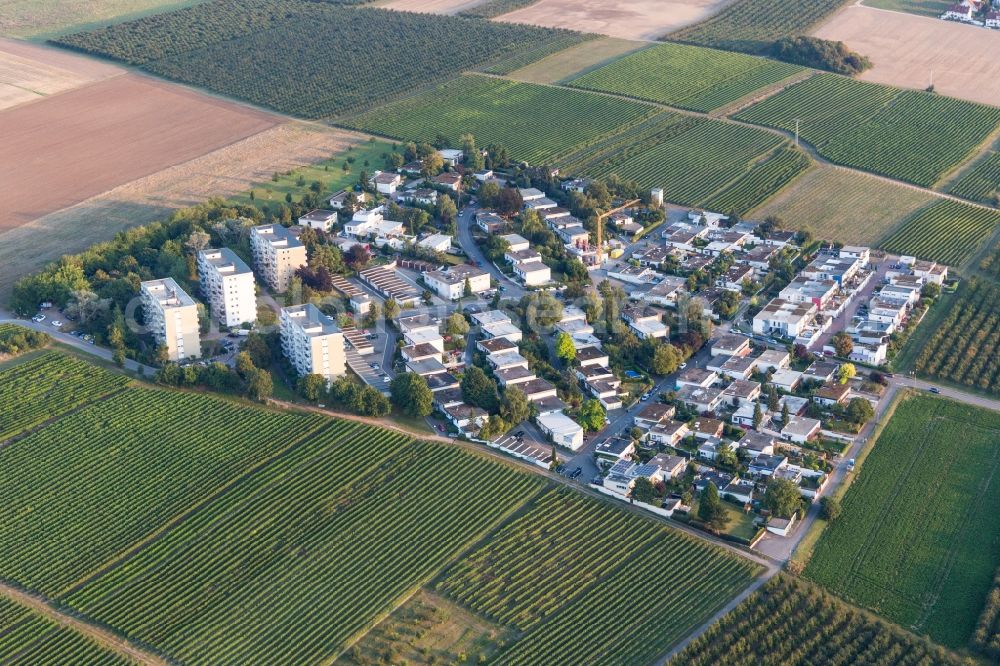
x: 56, y: 323
x: 38, y: 318
x: 683, y: 365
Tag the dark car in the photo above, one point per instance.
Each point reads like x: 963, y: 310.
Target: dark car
x: 576, y: 472
x: 934, y: 389
x: 519, y: 433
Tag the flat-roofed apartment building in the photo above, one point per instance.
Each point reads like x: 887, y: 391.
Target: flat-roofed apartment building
x: 228, y: 284
x: 312, y: 342
x: 277, y: 254
x: 172, y: 318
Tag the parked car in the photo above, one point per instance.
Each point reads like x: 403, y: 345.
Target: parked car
x: 56, y: 323
x: 38, y: 318
x: 934, y: 389
x: 683, y: 366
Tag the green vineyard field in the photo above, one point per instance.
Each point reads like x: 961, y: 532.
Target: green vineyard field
x: 764, y: 180
x: 794, y: 623
x: 752, y: 25
x: 909, y: 544
x: 591, y: 554
x: 982, y: 182
x: 687, y: 77
x: 965, y: 347
x: 535, y: 123
x: 317, y: 64
x: 947, y: 231
x: 87, y: 486
x: 304, y: 554
x: 547, y: 48
x: 691, y: 158
x: 29, y: 639
x: 913, y: 136
x: 48, y: 385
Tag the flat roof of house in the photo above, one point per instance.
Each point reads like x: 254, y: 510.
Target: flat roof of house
x: 168, y: 293
x: 558, y: 423
x: 276, y: 233
x: 455, y: 274
x: 497, y: 345
x: 656, y: 412
x: 800, y: 425
x: 491, y: 317
x: 615, y: 446
x: 311, y: 319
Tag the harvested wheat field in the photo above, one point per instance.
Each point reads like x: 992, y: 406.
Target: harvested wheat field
x: 628, y: 19
x: 843, y: 205
x: 29, y: 72
x: 66, y: 148
x: 224, y: 172
x: 910, y: 51
x: 430, y: 6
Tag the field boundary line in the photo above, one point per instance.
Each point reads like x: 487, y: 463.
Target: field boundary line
x: 133, y: 549
x: 82, y: 626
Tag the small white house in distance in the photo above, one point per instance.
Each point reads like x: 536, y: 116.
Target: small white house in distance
x: 322, y: 220
x: 451, y: 156
x: 532, y: 273
x: 516, y: 242
x: 436, y: 242
x: 386, y: 182
x: 450, y: 284
x: 563, y: 430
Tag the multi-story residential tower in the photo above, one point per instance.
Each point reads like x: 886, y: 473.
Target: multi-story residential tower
x: 228, y: 284
x: 277, y: 254
x: 312, y: 342
x: 172, y: 317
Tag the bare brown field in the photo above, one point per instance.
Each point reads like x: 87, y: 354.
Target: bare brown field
x: 430, y: 6
x: 66, y: 148
x: 628, y: 19
x: 576, y: 60
x: 29, y: 72
x: 911, y: 51
x: 224, y: 172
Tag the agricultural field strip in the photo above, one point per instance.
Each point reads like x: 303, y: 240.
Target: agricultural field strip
x: 873, y: 127
x: 133, y: 461
x: 907, y: 555
x: 946, y: 230
x: 152, y: 598
x: 27, y: 637
x: 982, y: 181
x: 214, y: 46
x: 790, y: 621
x: 494, y: 582
x: 48, y: 386
x: 965, y: 348
x: 686, y: 77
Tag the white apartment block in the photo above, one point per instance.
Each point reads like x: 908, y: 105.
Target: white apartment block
x: 277, y: 254
x: 312, y: 342
x: 228, y: 284
x: 172, y: 317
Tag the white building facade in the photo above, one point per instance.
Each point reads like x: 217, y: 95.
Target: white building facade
x: 228, y: 284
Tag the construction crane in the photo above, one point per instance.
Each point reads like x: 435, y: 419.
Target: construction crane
x: 600, y: 226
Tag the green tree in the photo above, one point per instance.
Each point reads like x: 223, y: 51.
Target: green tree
x: 843, y: 344
x: 479, y: 390
x: 859, y: 411
x: 666, y: 359
x: 643, y: 491
x: 565, y: 349
x: 592, y: 415
x: 710, y: 509
x: 467, y: 289
x: 846, y: 372
x: 260, y: 385
x: 245, y: 365
x: 542, y: 309
x: 411, y: 394
x: 758, y: 416
x: 515, y: 406
x: 488, y: 194
x: 390, y: 308
x: 784, y: 413
x: 447, y: 211
x: 829, y: 508
x: 311, y: 386
x: 782, y: 497
x: 456, y: 324
x: 773, y: 401
x: 554, y: 458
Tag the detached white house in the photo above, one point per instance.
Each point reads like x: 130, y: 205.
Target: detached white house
x: 563, y: 430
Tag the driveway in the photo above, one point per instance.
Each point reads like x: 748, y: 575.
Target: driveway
x: 466, y: 222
